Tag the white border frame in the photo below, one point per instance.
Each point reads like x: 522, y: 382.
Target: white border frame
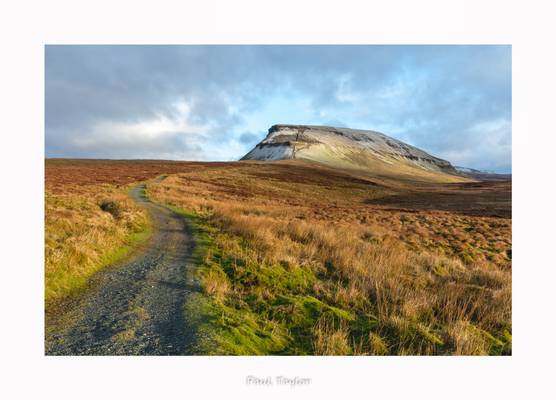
x: 27, y: 26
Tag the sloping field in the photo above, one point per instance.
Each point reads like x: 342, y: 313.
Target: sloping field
x: 298, y: 258
x: 301, y: 259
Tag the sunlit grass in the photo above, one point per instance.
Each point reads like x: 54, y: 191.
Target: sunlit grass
x: 288, y: 268
x: 86, y: 229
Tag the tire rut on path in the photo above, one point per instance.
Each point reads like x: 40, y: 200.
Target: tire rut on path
x: 137, y: 307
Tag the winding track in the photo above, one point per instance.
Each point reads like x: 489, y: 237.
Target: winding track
x: 136, y: 307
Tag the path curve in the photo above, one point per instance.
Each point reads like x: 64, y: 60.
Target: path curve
x: 137, y: 307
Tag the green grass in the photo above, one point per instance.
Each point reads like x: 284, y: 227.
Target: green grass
x: 272, y: 308
x: 76, y: 284
x: 223, y: 329
x: 81, y: 240
x: 302, y: 273
x: 268, y: 309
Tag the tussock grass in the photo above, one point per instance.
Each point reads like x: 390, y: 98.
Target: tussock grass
x: 300, y: 259
x: 86, y: 229
x: 304, y: 266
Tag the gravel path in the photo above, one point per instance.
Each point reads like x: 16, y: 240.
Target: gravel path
x: 136, y: 307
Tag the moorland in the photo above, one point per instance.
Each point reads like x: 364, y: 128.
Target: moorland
x: 293, y: 257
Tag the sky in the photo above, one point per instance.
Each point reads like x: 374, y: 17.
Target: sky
x: 217, y: 102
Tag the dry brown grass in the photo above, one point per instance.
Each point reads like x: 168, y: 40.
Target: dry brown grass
x: 418, y: 281
x: 87, y: 226
x: 303, y: 259
x: 331, y: 338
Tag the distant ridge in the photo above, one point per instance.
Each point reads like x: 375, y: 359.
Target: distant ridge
x: 483, y: 175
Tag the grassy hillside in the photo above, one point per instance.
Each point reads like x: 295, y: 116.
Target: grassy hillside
x: 297, y: 258
x: 300, y: 259
x: 84, y: 231
x: 90, y: 221
x: 87, y: 227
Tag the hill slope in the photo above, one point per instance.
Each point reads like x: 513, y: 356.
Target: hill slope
x: 483, y: 175
x: 351, y: 149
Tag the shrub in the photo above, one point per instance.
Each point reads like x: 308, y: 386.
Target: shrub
x: 112, y: 207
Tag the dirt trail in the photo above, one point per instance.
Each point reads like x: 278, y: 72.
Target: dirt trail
x: 136, y: 307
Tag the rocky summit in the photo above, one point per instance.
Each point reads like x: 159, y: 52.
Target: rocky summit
x: 345, y: 148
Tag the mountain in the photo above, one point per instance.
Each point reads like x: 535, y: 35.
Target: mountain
x: 351, y: 149
x: 466, y: 170
x: 482, y: 175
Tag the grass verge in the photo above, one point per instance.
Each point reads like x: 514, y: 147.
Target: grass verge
x: 277, y: 278
x: 256, y: 307
x: 85, y: 231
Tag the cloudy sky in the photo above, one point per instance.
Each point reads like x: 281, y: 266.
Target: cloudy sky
x: 217, y: 102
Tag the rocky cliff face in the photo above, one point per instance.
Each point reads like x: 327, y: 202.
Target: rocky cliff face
x: 343, y: 147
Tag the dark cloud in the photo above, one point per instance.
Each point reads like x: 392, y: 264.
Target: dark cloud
x: 213, y: 101
x: 249, y: 138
